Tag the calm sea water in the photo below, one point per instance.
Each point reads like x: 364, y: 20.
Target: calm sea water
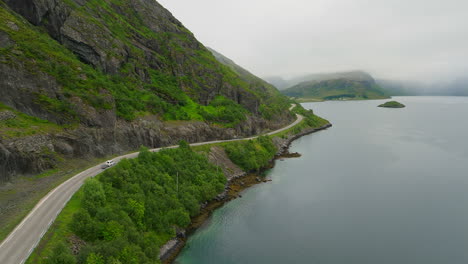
x: 381, y: 186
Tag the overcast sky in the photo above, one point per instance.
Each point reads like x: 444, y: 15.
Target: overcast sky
x: 397, y: 39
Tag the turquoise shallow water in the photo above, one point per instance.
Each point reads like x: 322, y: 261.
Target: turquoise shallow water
x: 381, y: 186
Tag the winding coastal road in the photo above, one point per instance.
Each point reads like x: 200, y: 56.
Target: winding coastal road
x: 20, y: 243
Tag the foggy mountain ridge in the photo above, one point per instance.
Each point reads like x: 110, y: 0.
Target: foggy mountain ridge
x: 458, y: 87
x: 283, y: 84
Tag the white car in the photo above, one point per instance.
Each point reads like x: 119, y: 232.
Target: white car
x: 108, y: 164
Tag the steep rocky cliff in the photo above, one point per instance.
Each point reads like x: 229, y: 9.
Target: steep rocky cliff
x: 89, y: 78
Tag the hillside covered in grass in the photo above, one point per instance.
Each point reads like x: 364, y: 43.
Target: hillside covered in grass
x: 129, y: 56
x: 101, y: 77
x: 340, y: 86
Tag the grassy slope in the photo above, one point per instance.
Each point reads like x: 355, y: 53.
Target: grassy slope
x: 24, y: 125
x: 162, y: 95
x: 250, y: 155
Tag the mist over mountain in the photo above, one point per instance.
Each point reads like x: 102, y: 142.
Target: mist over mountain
x: 392, y: 87
x: 335, y: 86
x: 282, y: 84
x: 458, y: 87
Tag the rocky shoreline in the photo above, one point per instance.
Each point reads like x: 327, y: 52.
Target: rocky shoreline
x: 235, y: 185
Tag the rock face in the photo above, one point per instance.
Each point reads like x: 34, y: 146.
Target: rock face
x: 18, y: 87
x: 6, y: 115
x: 168, y: 46
x: 169, y: 248
x: 36, y: 153
x: 109, y: 73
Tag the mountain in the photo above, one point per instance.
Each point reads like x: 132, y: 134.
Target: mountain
x: 86, y: 79
x: 337, y: 86
x: 283, y: 84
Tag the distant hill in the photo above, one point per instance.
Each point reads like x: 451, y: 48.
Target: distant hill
x: 283, y: 84
x: 337, y: 86
x: 457, y: 87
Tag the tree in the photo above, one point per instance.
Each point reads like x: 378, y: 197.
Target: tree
x: 93, y: 195
x: 184, y: 144
x: 136, y: 210
x: 84, y: 226
x: 94, y: 258
x: 61, y: 255
x: 112, y: 230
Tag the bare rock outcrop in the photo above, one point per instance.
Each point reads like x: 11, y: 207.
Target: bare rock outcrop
x: 219, y: 157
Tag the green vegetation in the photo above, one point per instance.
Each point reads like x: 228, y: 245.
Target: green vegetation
x: 310, y: 119
x: 20, y: 197
x: 392, y: 104
x: 126, y: 213
x: 172, y: 97
x: 20, y: 125
x: 337, y: 89
x: 308, y: 100
x: 252, y: 154
x: 273, y: 104
x: 221, y: 110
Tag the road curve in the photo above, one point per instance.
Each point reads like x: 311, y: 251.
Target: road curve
x: 20, y: 243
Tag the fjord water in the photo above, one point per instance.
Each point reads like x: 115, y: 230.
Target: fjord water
x: 381, y: 186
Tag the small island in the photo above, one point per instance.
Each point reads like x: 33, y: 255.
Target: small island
x: 392, y: 104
